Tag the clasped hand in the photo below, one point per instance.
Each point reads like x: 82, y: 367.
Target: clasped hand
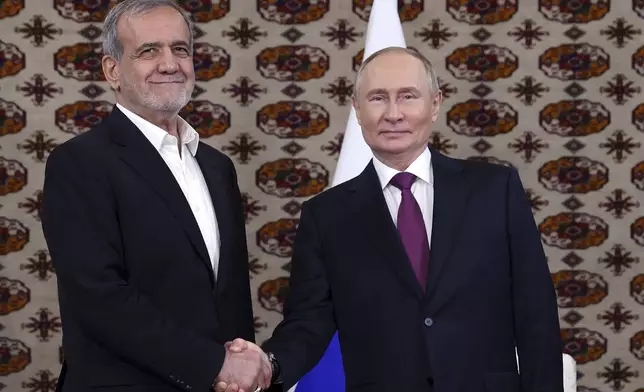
x: 246, y: 368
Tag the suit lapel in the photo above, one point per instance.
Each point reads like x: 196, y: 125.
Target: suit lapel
x: 218, y: 185
x: 451, y: 192
x: 143, y: 158
x: 380, y: 228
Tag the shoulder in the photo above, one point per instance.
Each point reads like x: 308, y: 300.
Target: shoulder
x: 481, y: 170
x: 84, y: 148
x: 334, y: 197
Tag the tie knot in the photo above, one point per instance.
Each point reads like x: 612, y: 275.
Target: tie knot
x: 403, y: 180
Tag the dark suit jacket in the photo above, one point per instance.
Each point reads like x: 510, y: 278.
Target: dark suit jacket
x: 140, y: 306
x: 489, y: 289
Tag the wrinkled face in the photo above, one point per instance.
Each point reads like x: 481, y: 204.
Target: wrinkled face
x: 395, y: 106
x: 156, y: 72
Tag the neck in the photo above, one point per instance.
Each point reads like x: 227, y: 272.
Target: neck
x: 398, y: 161
x: 168, y: 124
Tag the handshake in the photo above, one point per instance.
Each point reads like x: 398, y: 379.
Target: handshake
x: 246, y: 368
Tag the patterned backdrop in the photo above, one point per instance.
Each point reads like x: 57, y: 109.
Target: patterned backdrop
x: 551, y: 87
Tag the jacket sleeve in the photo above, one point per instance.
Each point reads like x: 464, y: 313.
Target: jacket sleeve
x: 301, y: 339
x: 534, y: 300
x: 80, y: 224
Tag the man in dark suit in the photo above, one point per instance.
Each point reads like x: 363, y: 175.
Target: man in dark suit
x: 430, y: 268
x: 145, y: 227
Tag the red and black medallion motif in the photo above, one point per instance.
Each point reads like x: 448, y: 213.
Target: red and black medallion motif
x: 292, y: 12
x: 15, y: 356
x: 637, y: 288
x: 293, y: 119
x: 12, y: 60
x: 579, y: 288
x: 293, y: 63
x: 482, y: 12
x: 638, y: 60
x: 207, y: 118
x: 637, y: 175
x: 638, y: 117
x: 407, y: 9
x: 357, y: 60
x: 573, y: 175
x: 277, y: 238
x: 482, y: 63
x: 272, y: 293
x: 210, y: 61
x: 204, y: 11
x: 292, y: 178
x: 81, y: 62
x: 636, y: 346
x: 12, y: 118
x: 574, y: 11
x: 13, y: 176
x: 14, y: 295
x: 84, y: 11
x: 637, y: 231
x: 13, y: 235
x: 482, y: 117
x: 573, y: 230
x: 81, y: 116
x: 574, y: 62
x: 9, y: 8
x: 583, y: 344
x: 574, y: 118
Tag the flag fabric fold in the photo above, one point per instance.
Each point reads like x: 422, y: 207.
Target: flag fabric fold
x: 384, y: 30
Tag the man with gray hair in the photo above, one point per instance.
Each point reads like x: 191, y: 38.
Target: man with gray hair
x: 146, y: 229
x: 430, y: 268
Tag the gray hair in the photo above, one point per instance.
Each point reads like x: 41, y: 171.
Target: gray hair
x: 111, y: 44
x: 429, y: 68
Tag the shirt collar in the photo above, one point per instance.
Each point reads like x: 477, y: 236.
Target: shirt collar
x: 159, y: 137
x: 421, y: 168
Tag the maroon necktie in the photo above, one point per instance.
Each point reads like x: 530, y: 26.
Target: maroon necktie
x: 411, y: 227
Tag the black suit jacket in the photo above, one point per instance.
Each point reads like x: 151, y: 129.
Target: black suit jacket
x: 140, y: 306
x: 489, y: 289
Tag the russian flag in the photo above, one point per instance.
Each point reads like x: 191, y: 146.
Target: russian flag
x: 384, y: 30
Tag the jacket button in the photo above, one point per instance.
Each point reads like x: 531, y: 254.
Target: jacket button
x: 429, y: 322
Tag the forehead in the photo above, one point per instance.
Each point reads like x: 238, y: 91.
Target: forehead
x: 160, y: 24
x: 394, y: 70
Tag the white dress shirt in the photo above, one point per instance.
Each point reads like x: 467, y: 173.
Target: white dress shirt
x: 422, y: 188
x: 188, y: 174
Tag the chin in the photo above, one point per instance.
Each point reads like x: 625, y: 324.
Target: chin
x: 396, y: 146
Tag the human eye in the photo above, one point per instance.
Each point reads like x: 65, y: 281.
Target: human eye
x: 147, y: 52
x: 408, y: 96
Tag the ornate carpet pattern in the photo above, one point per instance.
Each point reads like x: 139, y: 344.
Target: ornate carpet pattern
x: 551, y: 87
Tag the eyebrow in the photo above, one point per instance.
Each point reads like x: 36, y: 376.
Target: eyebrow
x: 400, y: 90
x: 158, y: 44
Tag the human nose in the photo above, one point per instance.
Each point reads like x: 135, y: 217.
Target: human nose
x: 393, y: 113
x: 167, y: 62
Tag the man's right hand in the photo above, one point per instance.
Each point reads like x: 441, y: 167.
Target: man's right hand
x: 245, y: 368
